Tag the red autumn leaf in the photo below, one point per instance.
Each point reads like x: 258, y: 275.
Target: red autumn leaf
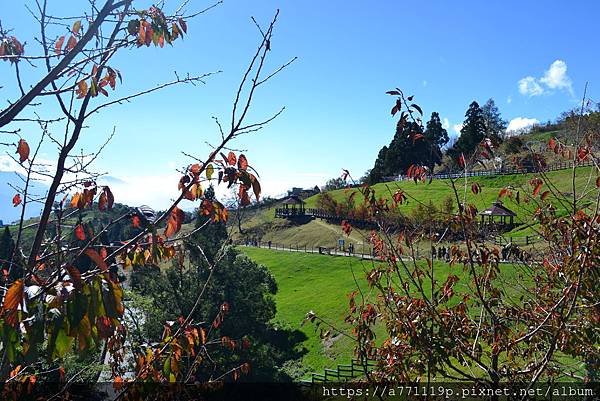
x: 12, y: 299
x: 598, y: 182
x: 102, y: 201
x: 175, y: 221
x: 136, y: 221
x: 417, y: 137
x: 75, y: 275
x: 255, y: 187
x: 475, y: 188
x: 23, y: 150
x: 106, y: 200
x: 71, y: 43
x: 58, y: 45
x: 231, y: 159
x: 503, y: 192
x: 551, y: 144
x: 79, y: 233
x: 393, y: 93
x: 242, y: 162
x: 243, y: 195
x: 16, y: 200
x: 195, y: 168
x: 537, y: 188
x: 96, y: 258
x: 394, y: 110
x: 461, y: 161
x: 545, y: 195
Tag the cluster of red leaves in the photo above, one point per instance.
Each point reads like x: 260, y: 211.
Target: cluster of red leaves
x: 10, y: 46
x: 417, y: 173
x: 60, y: 48
x: 346, y: 227
x: 81, y: 200
x: 95, y: 87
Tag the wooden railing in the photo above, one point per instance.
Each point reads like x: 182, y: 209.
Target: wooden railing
x: 502, y: 171
x: 343, y: 372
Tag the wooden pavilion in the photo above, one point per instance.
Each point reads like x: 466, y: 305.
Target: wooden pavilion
x: 498, y: 214
x: 292, y: 206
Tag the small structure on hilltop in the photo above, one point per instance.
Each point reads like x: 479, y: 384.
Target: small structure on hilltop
x: 293, y: 206
x: 498, y: 215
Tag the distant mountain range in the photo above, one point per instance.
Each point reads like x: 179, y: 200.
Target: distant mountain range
x: 9, y: 213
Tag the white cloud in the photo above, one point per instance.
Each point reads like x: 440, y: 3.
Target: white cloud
x: 521, y: 124
x: 555, y: 77
x: 424, y: 82
x: 530, y: 87
x: 445, y: 123
x: 457, y: 128
x: 509, y: 100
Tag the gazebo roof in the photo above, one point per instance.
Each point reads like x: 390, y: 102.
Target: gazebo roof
x: 497, y: 209
x: 293, y: 200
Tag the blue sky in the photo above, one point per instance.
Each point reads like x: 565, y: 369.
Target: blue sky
x: 533, y: 58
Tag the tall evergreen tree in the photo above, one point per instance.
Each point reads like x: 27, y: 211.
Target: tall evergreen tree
x: 437, y: 137
x: 494, y: 124
x: 471, y: 134
x: 378, y: 170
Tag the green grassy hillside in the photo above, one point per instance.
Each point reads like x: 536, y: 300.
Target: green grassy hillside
x: 322, y: 283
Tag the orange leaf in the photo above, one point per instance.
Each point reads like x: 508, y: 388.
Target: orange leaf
x: 195, y: 168
x: 23, y: 150
x: 16, y: 200
x: 231, y: 159
x: 58, y: 45
x: 96, y: 258
x: 545, y: 195
x: 71, y: 43
x: 538, y: 187
x: 12, y: 299
x: 106, y: 200
x: 79, y: 233
x: 461, y: 161
x: 175, y: 221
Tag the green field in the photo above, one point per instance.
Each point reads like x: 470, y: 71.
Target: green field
x: 438, y: 190
x: 260, y: 223
x: 322, y: 283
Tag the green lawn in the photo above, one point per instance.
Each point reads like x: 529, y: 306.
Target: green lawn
x: 438, y: 190
x: 322, y: 283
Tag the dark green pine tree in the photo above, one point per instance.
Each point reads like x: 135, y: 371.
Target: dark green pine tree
x: 437, y: 137
x: 405, y: 151
x: 471, y: 134
x: 494, y: 124
x: 378, y: 170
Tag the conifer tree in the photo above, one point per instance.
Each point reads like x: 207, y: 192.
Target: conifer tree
x: 471, y: 134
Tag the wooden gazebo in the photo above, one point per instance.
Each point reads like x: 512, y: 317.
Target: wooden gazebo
x: 292, y: 206
x: 498, y: 214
